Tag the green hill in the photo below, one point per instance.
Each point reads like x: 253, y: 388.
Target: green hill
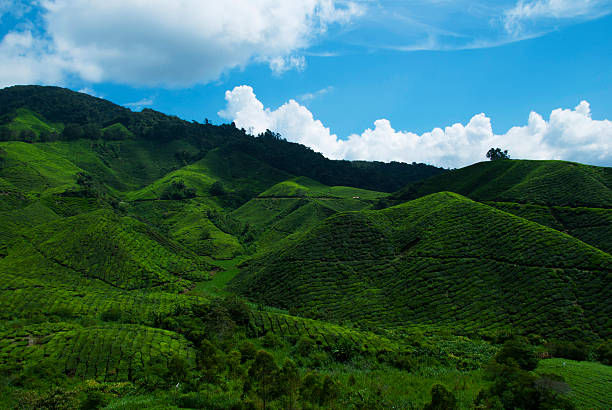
x: 572, y: 198
x: 149, y: 136
x: 590, y: 225
x: 442, y: 259
x: 120, y: 232
x: 305, y: 187
x: 118, y: 251
x: 535, y: 182
x: 31, y: 169
x: 296, y: 205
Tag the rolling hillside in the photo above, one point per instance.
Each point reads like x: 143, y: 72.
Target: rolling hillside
x: 296, y: 205
x: 556, y: 183
x: 158, y: 144
x: 441, y: 259
x: 120, y: 232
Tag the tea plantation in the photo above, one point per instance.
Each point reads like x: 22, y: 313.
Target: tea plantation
x: 439, y: 259
x: 151, y: 262
x: 557, y: 183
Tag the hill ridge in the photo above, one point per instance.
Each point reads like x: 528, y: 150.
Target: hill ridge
x: 413, y: 239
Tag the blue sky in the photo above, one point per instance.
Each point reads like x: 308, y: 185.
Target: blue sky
x: 434, y: 81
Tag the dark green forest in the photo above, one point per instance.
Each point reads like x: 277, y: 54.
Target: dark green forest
x: 151, y: 262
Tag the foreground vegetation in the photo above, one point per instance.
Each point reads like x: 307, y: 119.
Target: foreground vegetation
x: 148, y: 262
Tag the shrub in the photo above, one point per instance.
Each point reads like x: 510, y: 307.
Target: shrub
x: 568, y: 350
x: 319, y: 390
x: 217, y: 189
x: 604, y: 352
x: 518, y: 351
x: 344, y: 350
x: 93, y: 400
x: 247, y: 351
x: 305, y: 346
x: 441, y: 399
x: 263, y: 377
x: 178, y: 190
x: 271, y: 340
x: 238, y: 310
x: 112, y: 314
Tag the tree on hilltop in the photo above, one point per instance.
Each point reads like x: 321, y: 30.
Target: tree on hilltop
x: 496, y: 153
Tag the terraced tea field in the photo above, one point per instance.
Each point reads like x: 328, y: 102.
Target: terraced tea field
x: 553, y: 183
x: 590, y: 383
x: 110, y: 353
x: 430, y: 261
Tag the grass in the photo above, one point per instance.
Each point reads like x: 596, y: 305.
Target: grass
x: 392, y: 388
x: 219, y: 278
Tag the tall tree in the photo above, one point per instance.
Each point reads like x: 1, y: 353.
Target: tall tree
x: 264, y: 374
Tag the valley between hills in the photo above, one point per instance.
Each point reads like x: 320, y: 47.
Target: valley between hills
x: 151, y: 262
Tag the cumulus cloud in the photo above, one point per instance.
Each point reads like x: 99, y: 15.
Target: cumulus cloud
x: 24, y: 59
x: 568, y: 134
x: 172, y: 44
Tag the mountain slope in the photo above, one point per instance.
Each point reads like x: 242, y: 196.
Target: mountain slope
x: 537, y: 182
x: 99, y: 245
x: 31, y: 169
x: 590, y: 225
x: 133, y: 142
x: 442, y: 259
x: 296, y: 205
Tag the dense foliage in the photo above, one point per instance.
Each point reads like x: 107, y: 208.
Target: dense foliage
x: 496, y: 153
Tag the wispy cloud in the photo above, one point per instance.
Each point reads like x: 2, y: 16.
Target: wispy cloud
x: 138, y: 105
x: 322, y: 53
x: 90, y: 91
x: 319, y: 93
x: 442, y: 25
x: 531, y: 12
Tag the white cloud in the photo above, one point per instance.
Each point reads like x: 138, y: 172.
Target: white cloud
x: 24, y: 60
x: 294, y: 121
x: 568, y: 134
x: 173, y: 44
x: 140, y: 104
x: 15, y: 7
x: 319, y: 93
x: 90, y: 91
x: 464, y: 24
x: 529, y: 11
